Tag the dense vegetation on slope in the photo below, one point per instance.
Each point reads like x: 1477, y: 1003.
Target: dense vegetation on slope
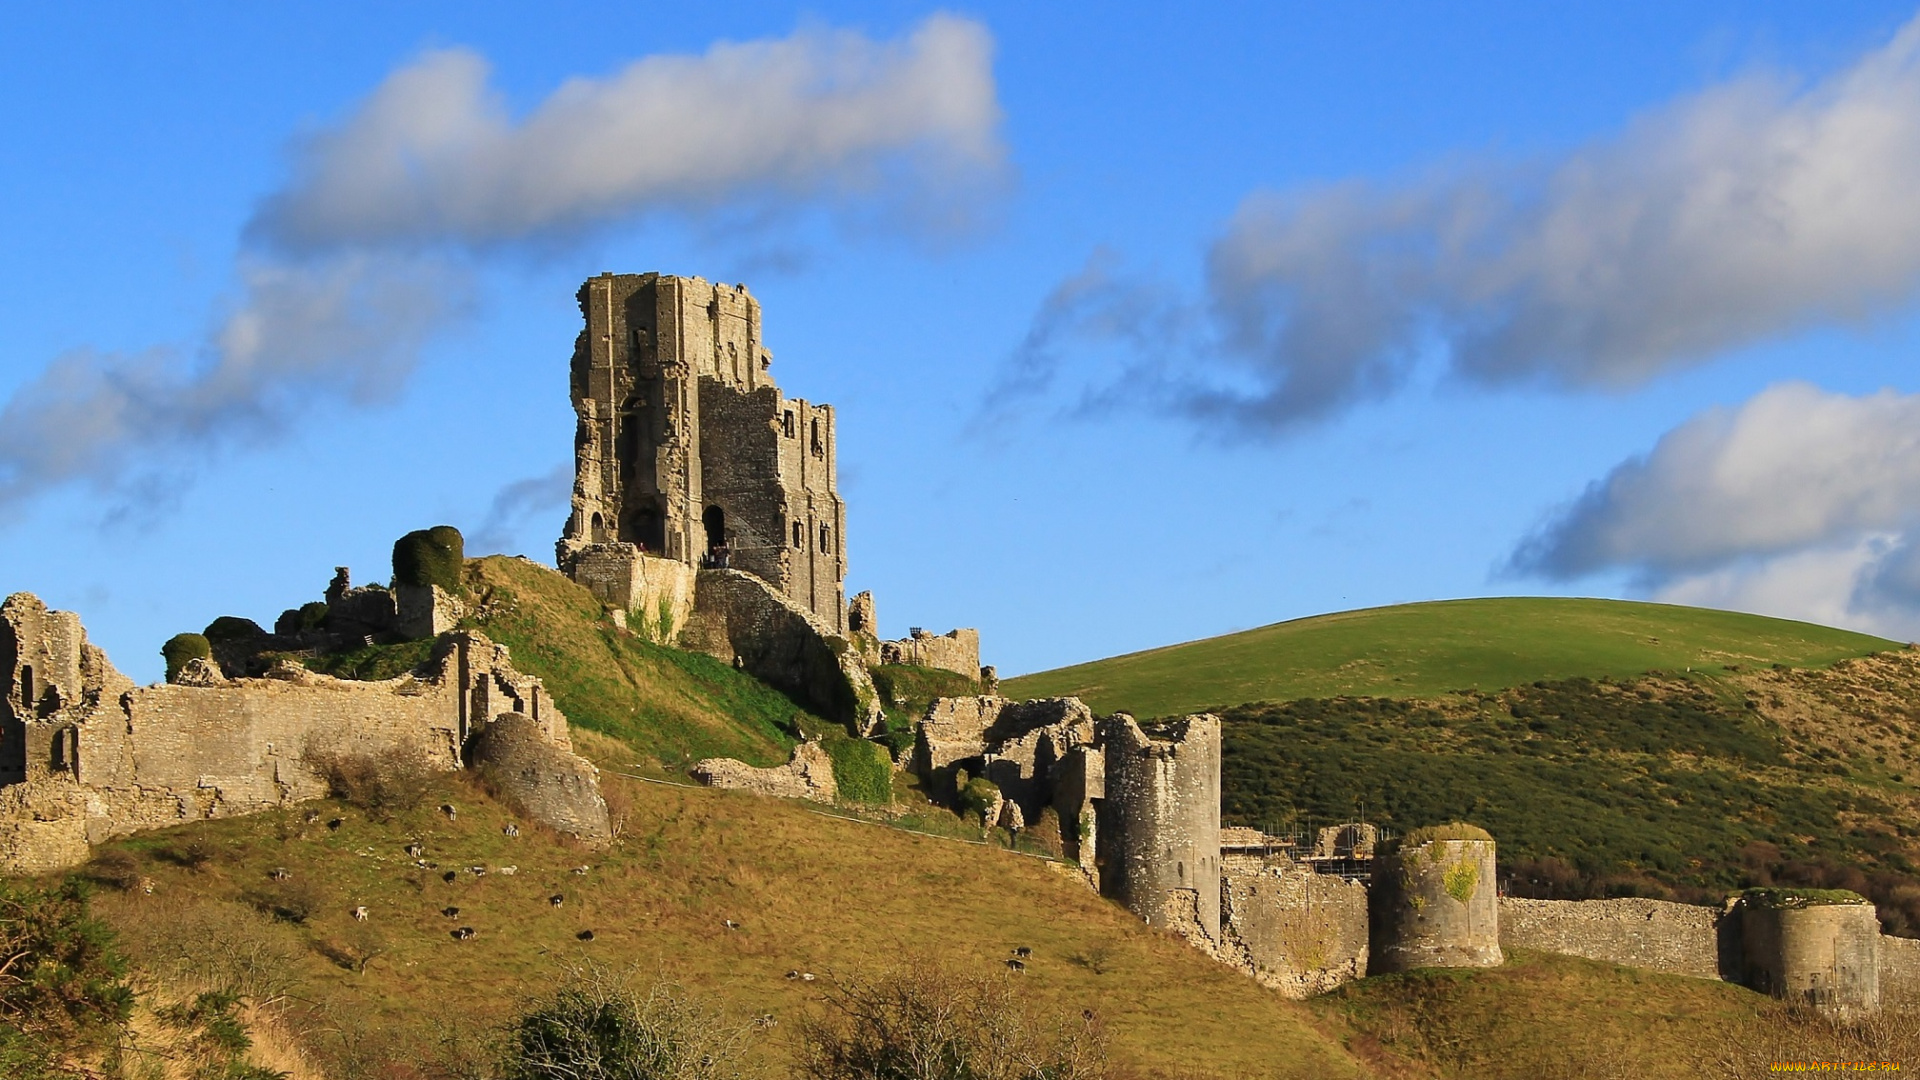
x: 1422, y: 650
x: 1655, y: 786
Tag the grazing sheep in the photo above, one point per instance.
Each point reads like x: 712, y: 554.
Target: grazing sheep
x: 764, y: 1020
x: 477, y: 871
x: 360, y: 913
x: 312, y: 816
x: 336, y: 823
x: 1016, y: 966
x: 463, y: 933
x: 1023, y: 953
x: 585, y: 935
x: 280, y: 873
x: 415, y: 851
x: 450, y: 912
x: 730, y: 924
x: 806, y: 976
x: 447, y: 809
x: 511, y: 829
x: 793, y: 974
x: 580, y: 869
x: 449, y: 876
x: 556, y: 899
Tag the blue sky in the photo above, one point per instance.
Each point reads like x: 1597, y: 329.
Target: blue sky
x: 1144, y: 324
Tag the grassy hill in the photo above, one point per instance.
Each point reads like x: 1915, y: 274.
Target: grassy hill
x: 1422, y: 650
x: 814, y: 893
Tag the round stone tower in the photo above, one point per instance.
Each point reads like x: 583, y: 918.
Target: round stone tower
x: 1819, y: 947
x: 1159, y: 825
x: 1435, y: 902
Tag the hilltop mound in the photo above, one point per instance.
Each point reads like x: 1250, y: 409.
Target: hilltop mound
x: 1421, y: 650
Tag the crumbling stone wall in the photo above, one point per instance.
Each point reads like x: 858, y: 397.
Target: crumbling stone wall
x: 1435, y: 905
x: 54, y: 678
x: 686, y: 448
x: 653, y: 595
x: 133, y: 758
x: 1678, y: 939
x: 550, y: 785
x: 957, y: 651
x: 1297, y: 931
x: 808, y: 774
x: 1159, y: 826
x: 741, y: 619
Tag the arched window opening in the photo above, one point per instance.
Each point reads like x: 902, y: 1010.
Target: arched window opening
x: 715, y: 519
x: 786, y: 424
x: 818, y: 446
x: 598, y: 528
x: 799, y: 535
x: 648, y: 528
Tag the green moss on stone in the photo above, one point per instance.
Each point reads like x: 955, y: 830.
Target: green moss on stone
x: 435, y: 556
x: 181, y: 648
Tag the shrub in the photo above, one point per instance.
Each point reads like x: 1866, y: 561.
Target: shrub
x: 232, y: 628
x: 1453, y: 831
x: 181, y: 648
x: 861, y: 769
x: 380, y: 784
x: 977, y: 796
x: 310, y: 616
x: 435, y: 556
x: 65, y: 978
x: 600, y: 1027
x: 925, y: 1022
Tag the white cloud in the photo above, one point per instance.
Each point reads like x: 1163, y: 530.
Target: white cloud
x: 434, y: 155
x: 1751, y: 210
x: 1799, y: 503
x: 347, y: 328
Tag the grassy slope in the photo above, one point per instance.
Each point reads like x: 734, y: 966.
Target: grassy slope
x: 811, y: 892
x: 1421, y: 650
x: 675, y: 706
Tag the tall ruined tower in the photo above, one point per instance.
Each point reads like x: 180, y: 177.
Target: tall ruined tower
x: 686, y: 449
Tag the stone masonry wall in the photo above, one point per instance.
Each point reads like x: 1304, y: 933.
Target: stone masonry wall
x: 1159, y: 827
x: 1679, y: 939
x: 135, y: 758
x: 741, y: 619
x: 1297, y: 931
x: 957, y: 651
x: 654, y: 595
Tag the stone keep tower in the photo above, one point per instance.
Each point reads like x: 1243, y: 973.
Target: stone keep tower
x: 1159, y: 825
x: 687, y: 451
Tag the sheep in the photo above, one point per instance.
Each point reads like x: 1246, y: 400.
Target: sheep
x: 463, y: 933
x: 415, y: 850
x: 793, y: 975
x: 447, y: 809
x: 729, y: 924
x: 1023, y: 953
x: 764, y: 1020
x: 312, y: 816
x: 556, y: 899
x: 449, y: 876
x: 450, y: 912
x: 580, y: 869
x: 511, y: 829
x: 335, y: 824
x: 280, y: 873
x: 585, y: 935
x: 806, y: 976
x: 477, y: 871
x: 360, y: 913
x: 1016, y: 966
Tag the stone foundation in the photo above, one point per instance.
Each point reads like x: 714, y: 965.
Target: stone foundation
x: 807, y: 775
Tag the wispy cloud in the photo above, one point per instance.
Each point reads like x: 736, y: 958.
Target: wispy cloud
x: 515, y: 504
x: 373, y: 245
x: 1754, y: 209
x: 1800, y: 502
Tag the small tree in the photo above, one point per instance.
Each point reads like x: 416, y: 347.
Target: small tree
x: 435, y: 556
x: 923, y: 1021
x: 181, y: 648
x: 599, y: 1026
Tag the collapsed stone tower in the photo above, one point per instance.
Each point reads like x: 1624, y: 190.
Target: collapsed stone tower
x: 687, y: 451
x: 1159, y: 825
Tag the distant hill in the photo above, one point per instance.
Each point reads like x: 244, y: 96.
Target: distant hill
x: 1422, y: 650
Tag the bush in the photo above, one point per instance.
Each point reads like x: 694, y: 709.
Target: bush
x: 181, y: 648
x: 925, y: 1022
x: 862, y: 770
x: 977, y: 796
x: 599, y: 1027
x: 380, y: 784
x: 435, y: 556
x: 310, y: 616
x: 65, y: 978
x: 232, y: 628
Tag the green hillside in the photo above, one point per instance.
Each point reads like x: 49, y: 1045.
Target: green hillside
x: 1422, y: 650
